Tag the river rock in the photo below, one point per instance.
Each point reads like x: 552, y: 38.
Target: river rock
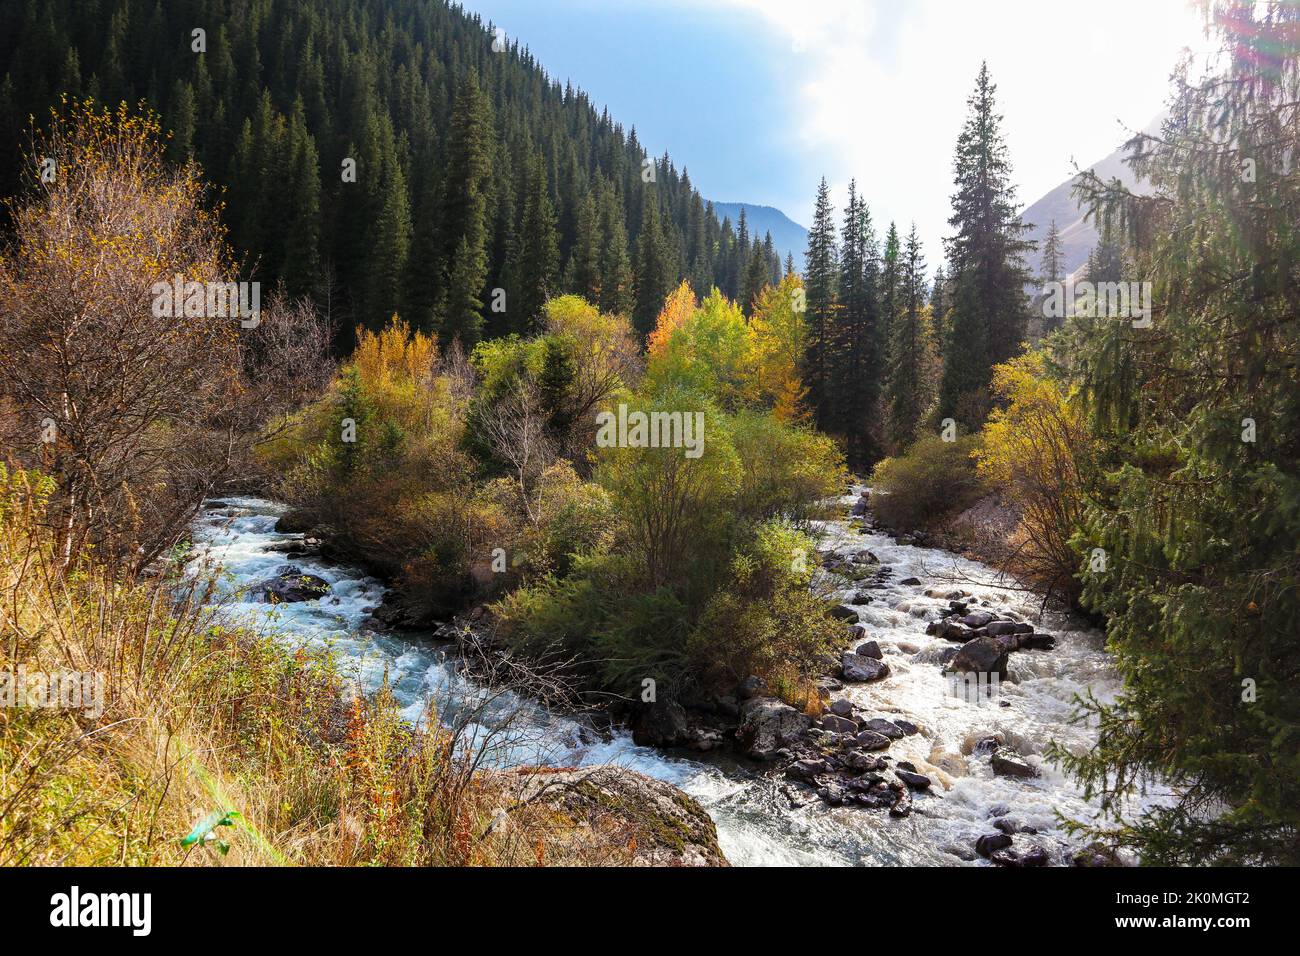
x: 917, y: 781
x: 839, y: 725
x: 983, y: 655
x: 661, y: 724
x: 767, y: 725
x: 845, y: 613
x: 862, y: 761
x: 292, y: 522
x: 977, y: 619
x: 906, y: 726
x: 950, y: 631
x: 871, y: 740
x: 842, y: 707
x: 884, y: 727
x: 998, y: 628
x: 805, y: 770
x: 1037, y: 642
x: 869, y: 649
x: 990, y: 843
x: 859, y: 669
x: 1005, y: 766
x: 289, y: 586
x: 617, y: 815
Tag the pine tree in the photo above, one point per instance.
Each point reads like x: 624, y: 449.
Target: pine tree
x: 985, y: 256
x: 653, y: 272
x: 907, y: 349
x: 469, y: 168
x: 616, y: 295
x: 820, y: 265
x: 1188, y: 545
x: 535, y: 257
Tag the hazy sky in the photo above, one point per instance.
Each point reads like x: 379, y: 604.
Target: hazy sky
x: 760, y: 98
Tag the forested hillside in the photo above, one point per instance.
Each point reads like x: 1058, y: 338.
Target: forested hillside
x: 473, y: 171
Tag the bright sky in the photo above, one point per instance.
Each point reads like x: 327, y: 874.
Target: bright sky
x: 760, y: 98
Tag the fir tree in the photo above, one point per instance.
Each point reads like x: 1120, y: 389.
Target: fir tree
x: 985, y: 256
x: 820, y: 265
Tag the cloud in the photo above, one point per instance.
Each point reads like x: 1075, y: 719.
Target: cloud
x: 877, y: 89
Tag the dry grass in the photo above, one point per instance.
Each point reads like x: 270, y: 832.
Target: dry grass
x: 200, y: 719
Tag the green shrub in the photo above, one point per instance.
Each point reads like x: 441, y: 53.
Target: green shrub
x: 931, y: 481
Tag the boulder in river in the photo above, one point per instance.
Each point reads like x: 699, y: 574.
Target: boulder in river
x: 1005, y: 766
x: 612, y: 811
x: 981, y: 656
x: 661, y: 724
x: 844, y: 613
x: 917, y: 781
x: 858, y: 669
x: 990, y: 843
x: 289, y: 586
x: 767, y: 725
x: 884, y: 727
x: 871, y: 740
x: 839, y: 725
x: 869, y: 649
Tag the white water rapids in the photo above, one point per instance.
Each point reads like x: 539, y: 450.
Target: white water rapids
x: 756, y: 823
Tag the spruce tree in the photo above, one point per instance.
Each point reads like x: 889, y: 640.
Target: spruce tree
x: 907, y: 348
x: 985, y: 256
x: 469, y: 168
x: 820, y: 266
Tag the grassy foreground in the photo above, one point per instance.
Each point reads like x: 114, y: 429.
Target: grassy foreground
x: 258, y: 753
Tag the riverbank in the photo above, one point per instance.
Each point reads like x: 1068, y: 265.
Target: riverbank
x: 763, y: 816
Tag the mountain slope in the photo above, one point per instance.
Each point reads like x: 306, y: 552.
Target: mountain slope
x: 787, y: 235
x: 1078, y: 237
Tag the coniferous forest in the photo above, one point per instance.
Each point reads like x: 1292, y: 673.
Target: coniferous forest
x: 402, y: 468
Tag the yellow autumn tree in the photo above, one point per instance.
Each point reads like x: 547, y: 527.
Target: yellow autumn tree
x: 678, y: 308
x: 1033, y: 450
x: 778, y: 337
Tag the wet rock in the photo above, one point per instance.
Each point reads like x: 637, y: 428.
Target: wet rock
x: 917, y: 781
x: 977, y: 619
x: 842, y: 707
x: 871, y: 740
x: 884, y: 727
x: 910, y: 582
x: 1037, y: 642
x: 858, y: 632
x: 998, y: 628
x: 869, y: 649
x: 1034, y: 856
x: 1009, y: 826
x: 767, y: 725
x: 859, y: 669
x: 844, y: 613
x: 805, y: 770
x: 1022, y: 628
x: 990, y: 843
x: 839, y: 725
x: 289, y: 586
x: 609, y: 809
x: 902, y: 807
x: 1005, y: 766
x: 862, y: 597
x: 906, y: 726
x: 950, y: 631
x: 1095, y: 854
x: 983, y: 655
x: 862, y: 761
x: 661, y: 724
x: 292, y: 522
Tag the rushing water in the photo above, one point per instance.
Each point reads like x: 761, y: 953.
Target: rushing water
x: 755, y: 820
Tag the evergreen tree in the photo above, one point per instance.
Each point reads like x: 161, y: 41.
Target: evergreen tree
x: 1189, y: 541
x: 907, y: 349
x: 469, y: 168
x: 536, y: 254
x: 820, y: 265
x: 616, y: 295
x: 985, y: 256
x: 653, y: 272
